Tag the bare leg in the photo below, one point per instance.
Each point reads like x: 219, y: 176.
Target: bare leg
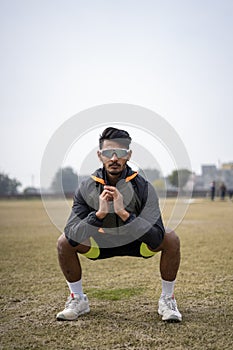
x: 170, y: 256
x: 68, y: 259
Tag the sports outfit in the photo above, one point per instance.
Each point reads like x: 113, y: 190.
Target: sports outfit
x: 112, y: 236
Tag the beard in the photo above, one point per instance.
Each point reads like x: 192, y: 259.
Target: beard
x: 117, y: 170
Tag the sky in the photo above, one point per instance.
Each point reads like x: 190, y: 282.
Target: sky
x: 60, y: 57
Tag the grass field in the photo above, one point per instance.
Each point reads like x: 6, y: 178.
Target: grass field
x: 123, y: 292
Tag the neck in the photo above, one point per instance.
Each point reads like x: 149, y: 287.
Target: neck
x: 113, y: 179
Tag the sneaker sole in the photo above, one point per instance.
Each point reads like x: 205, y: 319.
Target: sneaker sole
x: 61, y: 318
x: 172, y: 319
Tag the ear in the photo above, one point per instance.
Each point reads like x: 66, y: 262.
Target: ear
x: 99, y: 156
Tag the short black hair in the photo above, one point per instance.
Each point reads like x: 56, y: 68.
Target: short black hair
x: 120, y: 136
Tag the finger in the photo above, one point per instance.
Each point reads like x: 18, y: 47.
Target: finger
x: 110, y: 188
x: 111, y: 193
x: 106, y: 195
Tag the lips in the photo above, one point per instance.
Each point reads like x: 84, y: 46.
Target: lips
x: 114, y: 166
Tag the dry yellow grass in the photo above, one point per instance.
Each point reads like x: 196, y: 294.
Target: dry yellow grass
x: 123, y: 292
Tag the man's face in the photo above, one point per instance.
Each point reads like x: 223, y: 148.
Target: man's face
x: 114, y: 165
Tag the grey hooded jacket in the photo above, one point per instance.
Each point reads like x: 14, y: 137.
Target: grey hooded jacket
x: 140, y: 200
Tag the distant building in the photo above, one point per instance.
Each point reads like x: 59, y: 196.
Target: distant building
x: 226, y: 176
x: 211, y: 173
x: 227, y: 166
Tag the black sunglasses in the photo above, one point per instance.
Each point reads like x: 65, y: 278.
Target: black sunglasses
x: 119, y: 152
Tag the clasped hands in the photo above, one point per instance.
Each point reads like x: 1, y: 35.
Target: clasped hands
x: 111, y: 194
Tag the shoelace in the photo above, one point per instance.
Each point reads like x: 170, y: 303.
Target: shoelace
x: 72, y: 302
x: 170, y: 302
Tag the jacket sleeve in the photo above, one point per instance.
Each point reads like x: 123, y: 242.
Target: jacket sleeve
x: 147, y: 226
x: 82, y: 222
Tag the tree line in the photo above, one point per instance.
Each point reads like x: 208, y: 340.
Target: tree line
x: 8, y: 186
x: 66, y: 180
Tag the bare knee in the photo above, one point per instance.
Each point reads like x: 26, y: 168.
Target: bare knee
x: 172, y: 236
x: 63, y: 245
x: 170, y: 242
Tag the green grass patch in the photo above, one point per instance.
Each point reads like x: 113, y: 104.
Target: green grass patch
x: 114, y: 294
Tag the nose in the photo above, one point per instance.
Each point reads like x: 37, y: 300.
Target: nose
x: 114, y: 157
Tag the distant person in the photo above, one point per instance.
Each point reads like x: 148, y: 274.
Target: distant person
x: 116, y: 213
x: 230, y: 193
x: 212, y: 190
x: 222, y: 191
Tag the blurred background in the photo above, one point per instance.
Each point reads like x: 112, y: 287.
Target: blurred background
x: 61, y: 57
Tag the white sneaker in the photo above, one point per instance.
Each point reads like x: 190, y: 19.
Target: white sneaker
x: 75, y: 306
x: 168, y: 309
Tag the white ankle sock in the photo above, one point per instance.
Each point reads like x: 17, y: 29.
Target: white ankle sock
x: 76, y: 287
x: 168, y: 288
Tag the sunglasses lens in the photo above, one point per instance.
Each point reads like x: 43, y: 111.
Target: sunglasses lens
x: 107, y: 153
x: 120, y: 153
